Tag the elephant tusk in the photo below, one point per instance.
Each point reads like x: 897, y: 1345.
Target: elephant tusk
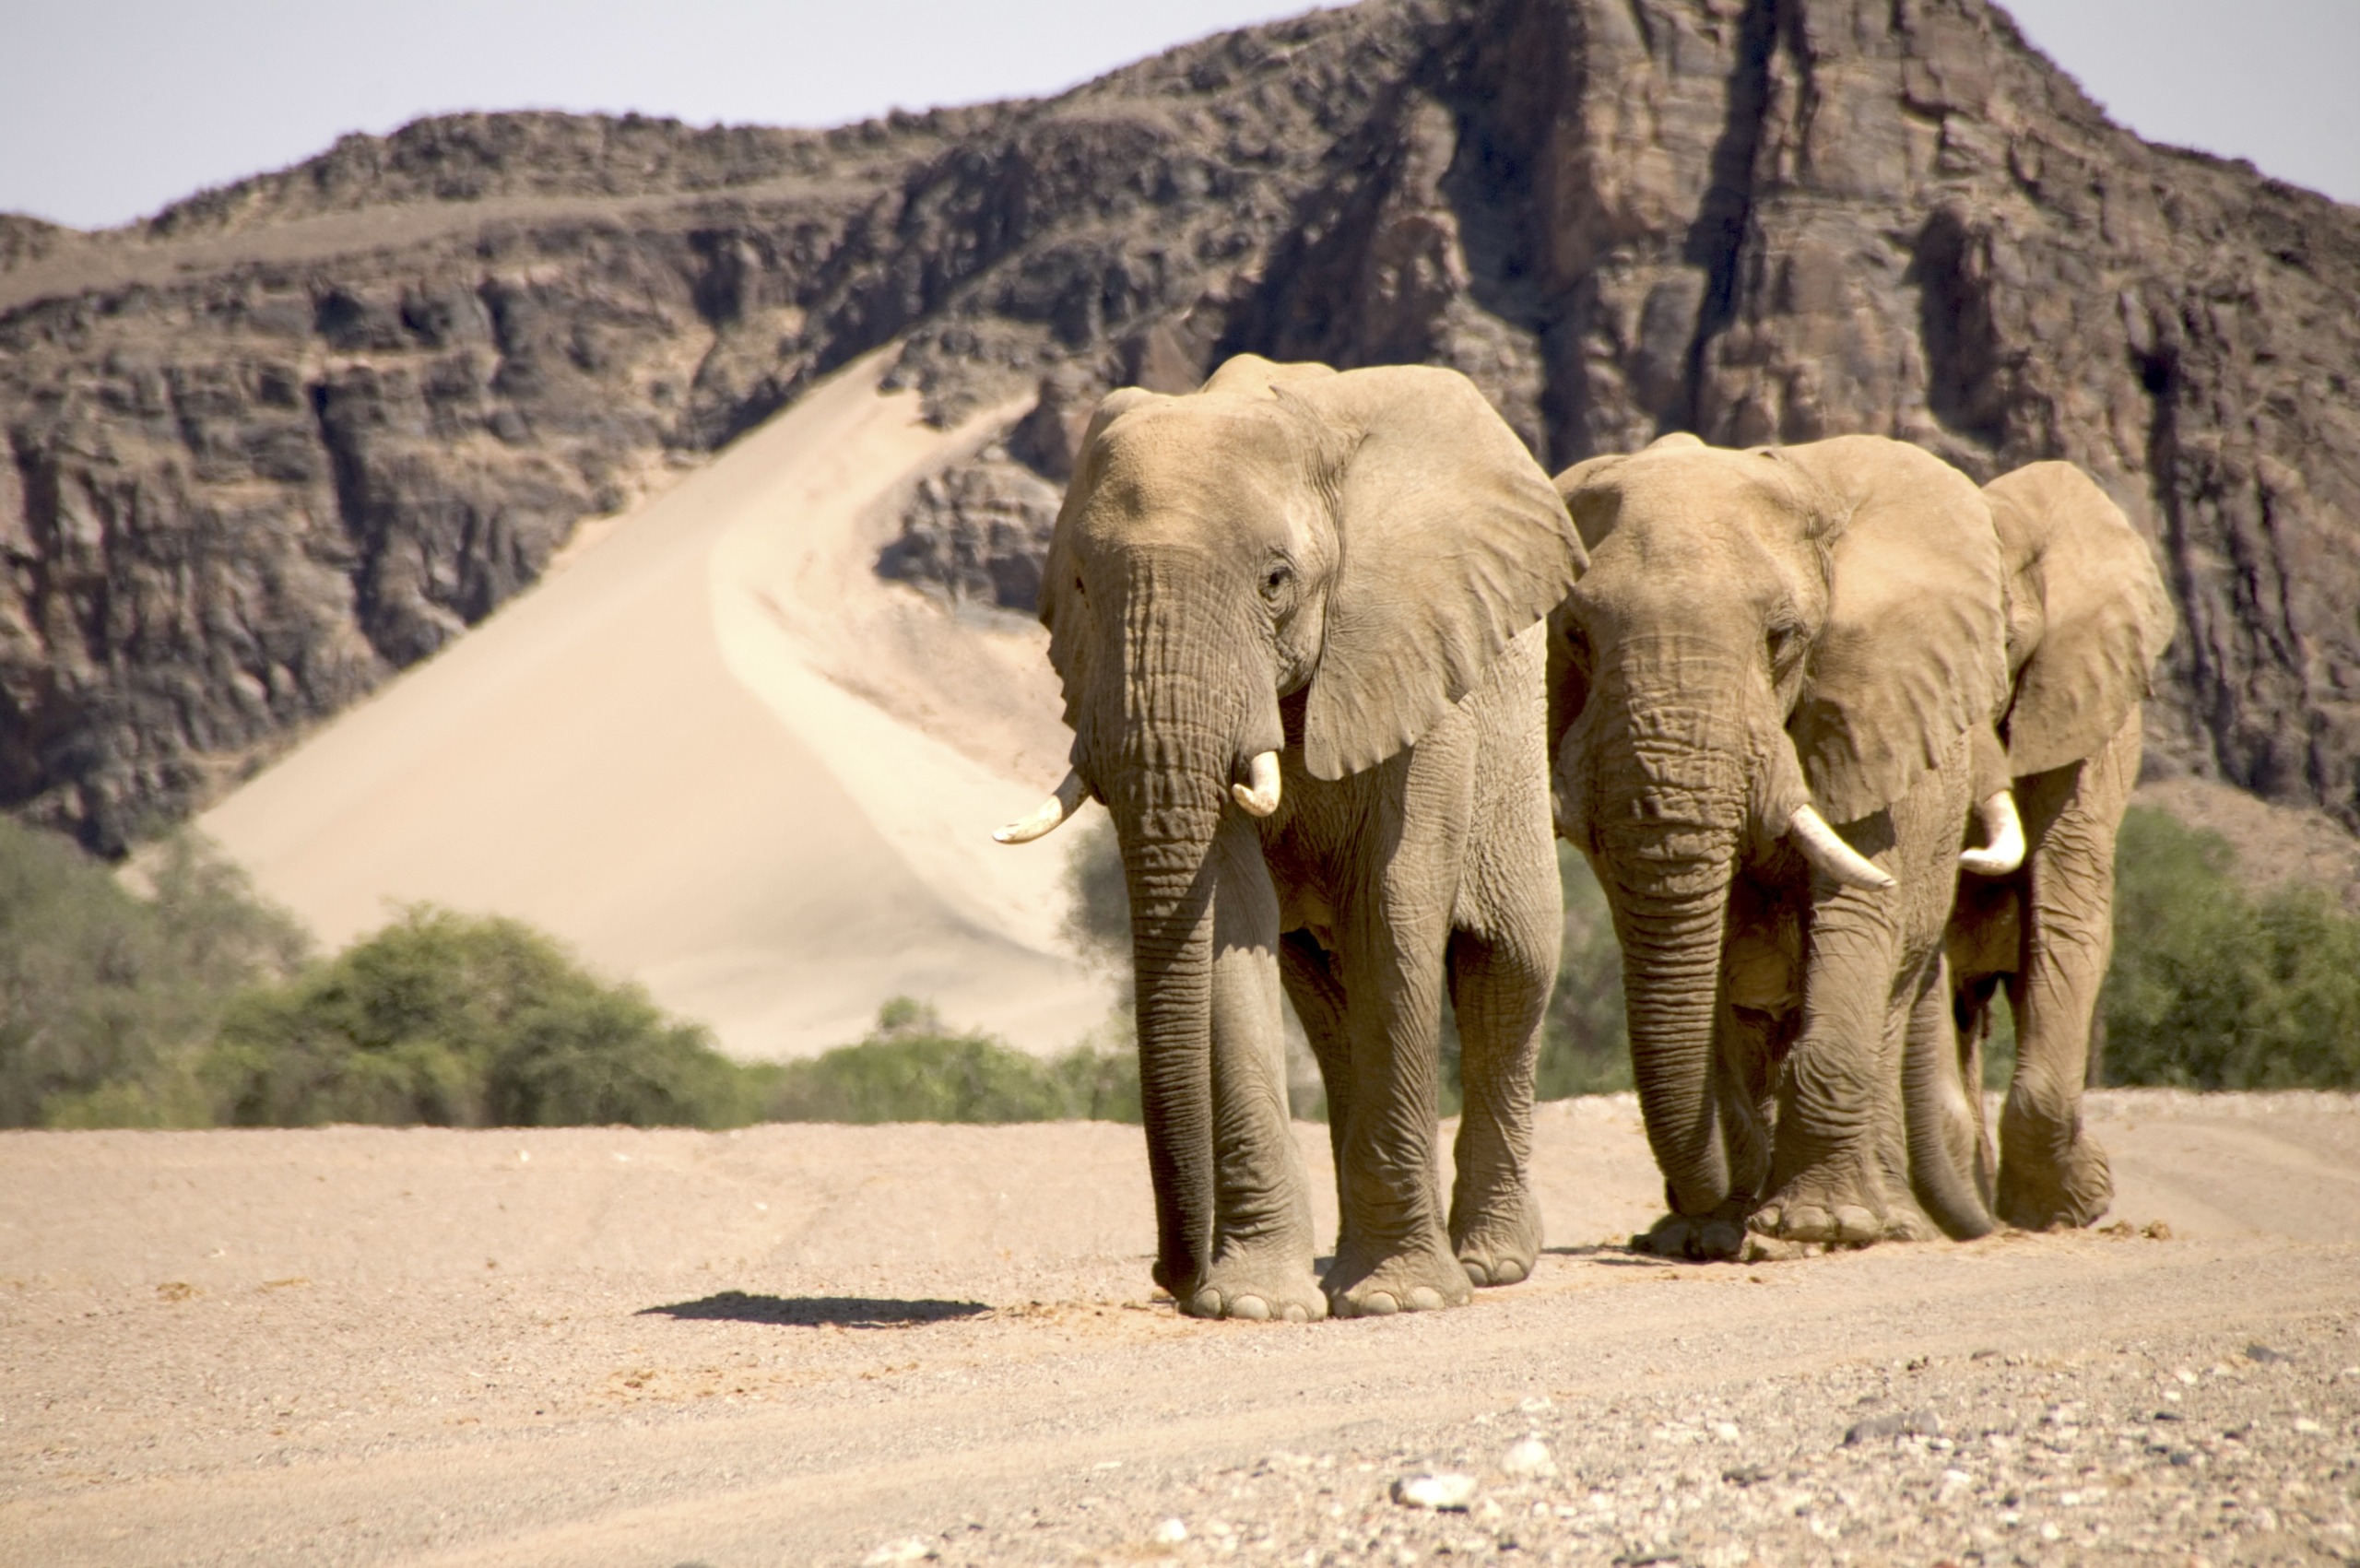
x: 1260, y: 797
x: 1053, y: 812
x: 1823, y: 849
x: 2003, y: 838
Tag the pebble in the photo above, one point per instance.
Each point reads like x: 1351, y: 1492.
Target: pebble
x: 1444, y: 1491
x: 2057, y: 1457
x: 1528, y: 1458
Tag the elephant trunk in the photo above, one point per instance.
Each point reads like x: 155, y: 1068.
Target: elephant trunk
x: 1945, y: 1128
x: 1671, y: 793
x: 1672, y: 960
x: 1185, y: 728
x: 1172, y: 914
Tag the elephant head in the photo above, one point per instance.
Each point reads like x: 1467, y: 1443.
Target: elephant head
x: 2087, y: 620
x: 1288, y: 558
x: 1767, y: 642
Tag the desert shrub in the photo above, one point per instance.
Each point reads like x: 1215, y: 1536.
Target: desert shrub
x: 1101, y: 1076
x: 1584, y: 1047
x: 2213, y: 987
x: 107, y: 997
x: 912, y: 1068
x: 460, y: 1021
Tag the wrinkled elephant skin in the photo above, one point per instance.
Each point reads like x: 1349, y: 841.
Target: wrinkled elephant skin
x: 1297, y: 620
x: 1762, y: 698
x: 2087, y: 620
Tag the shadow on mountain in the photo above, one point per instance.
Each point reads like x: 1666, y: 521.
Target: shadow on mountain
x: 811, y: 1312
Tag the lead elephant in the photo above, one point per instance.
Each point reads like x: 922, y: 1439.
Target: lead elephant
x: 2087, y: 620
x: 1296, y: 615
x: 1767, y: 643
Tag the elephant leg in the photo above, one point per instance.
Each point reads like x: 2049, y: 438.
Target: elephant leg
x: 1840, y: 1168
x: 1500, y: 987
x: 1971, y: 1027
x: 1396, y: 1254
x: 1509, y: 930
x: 1943, y: 1119
x: 1311, y: 984
x: 1744, y: 1090
x: 2051, y: 1173
x: 1263, y: 1239
x: 1826, y: 1184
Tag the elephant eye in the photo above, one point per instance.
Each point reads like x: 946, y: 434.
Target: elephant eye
x: 1781, y: 645
x: 1274, y: 580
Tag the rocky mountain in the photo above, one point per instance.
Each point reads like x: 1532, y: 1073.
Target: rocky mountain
x: 290, y: 436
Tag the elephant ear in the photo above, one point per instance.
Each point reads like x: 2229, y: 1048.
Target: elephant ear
x: 2088, y: 614
x: 1595, y: 508
x: 1063, y: 608
x: 1914, y: 651
x: 1450, y: 542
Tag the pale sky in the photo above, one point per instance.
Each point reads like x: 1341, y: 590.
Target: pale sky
x: 109, y: 108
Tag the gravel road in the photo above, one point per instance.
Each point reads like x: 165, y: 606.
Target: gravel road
x: 846, y: 1345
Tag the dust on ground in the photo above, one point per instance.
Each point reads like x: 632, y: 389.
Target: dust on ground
x: 842, y: 1345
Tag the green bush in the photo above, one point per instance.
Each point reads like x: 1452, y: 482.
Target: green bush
x: 1584, y: 1047
x: 107, y: 997
x: 2213, y: 987
x: 460, y: 1021
x: 911, y: 1069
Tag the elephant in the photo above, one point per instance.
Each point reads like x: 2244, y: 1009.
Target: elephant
x: 1764, y: 693
x: 1298, y: 620
x: 2087, y: 619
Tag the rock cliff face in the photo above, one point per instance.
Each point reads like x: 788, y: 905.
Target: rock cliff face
x: 289, y: 436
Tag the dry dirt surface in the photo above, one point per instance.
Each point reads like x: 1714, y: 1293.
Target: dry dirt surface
x: 847, y: 1346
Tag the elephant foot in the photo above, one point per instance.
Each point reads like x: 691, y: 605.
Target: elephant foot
x: 1907, y: 1224
x: 1696, y: 1238
x: 1822, y: 1204
x: 2058, y: 1193
x: 1258, y: 1288
x: 1501, y: 1243
x: 1422, y: 1276
x: 1849, y: 1224
x: 1770, y: 1249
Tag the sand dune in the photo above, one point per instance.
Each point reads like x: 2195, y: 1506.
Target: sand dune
x: 718, y: 755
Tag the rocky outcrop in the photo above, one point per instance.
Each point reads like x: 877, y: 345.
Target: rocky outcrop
x: 977, y: 533
x: 291, y: 435
x: 1783, y: 219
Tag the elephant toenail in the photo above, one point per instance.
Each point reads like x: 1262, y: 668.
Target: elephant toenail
x: 1424, y: 1298
x: 1475, y: 1271
x: 1205, y: 1304
x: 1378, y: 1304
x: 1720, y: 1239
x: 1508, y: 1274
x: 1854, y: 1223
x: 1253, y: 1308
x: 1297, y: 1315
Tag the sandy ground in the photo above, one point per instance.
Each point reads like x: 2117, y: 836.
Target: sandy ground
x: 720, y: 756
x: 838, y: 1345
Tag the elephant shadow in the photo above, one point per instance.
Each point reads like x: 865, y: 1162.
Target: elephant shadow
x: 814, y: 1311
x: 1612, y: 1254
